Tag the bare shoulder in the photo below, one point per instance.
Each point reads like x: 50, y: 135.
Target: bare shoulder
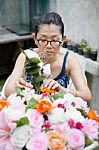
x: 72, y: 59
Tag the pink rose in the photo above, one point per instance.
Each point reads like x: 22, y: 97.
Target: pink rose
x: 75, y: 139
x: 35, y: 118
x: 38, y: 142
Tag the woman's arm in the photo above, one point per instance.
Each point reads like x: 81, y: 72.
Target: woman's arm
x: 16, y: 79
x: 76, y: 74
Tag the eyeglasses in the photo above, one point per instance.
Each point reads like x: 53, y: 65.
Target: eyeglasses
x: 54, y: 44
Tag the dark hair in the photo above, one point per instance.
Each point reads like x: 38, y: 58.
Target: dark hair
x: 50, y: 18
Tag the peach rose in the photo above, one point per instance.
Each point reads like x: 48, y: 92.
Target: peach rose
x: 56, y: 140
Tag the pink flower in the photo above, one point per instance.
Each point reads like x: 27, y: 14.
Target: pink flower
x: 35, y: 118
x: 38, y: 142
x: 60, y: 127
x: 46, y: 124
x: 90, y: 127
x: 75, y: 139
x: 71, y: 123
x: 6, y: 128
x: 79, y: 125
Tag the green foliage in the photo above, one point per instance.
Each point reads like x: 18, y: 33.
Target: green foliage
x: 32, y: 69
x: 83, y: 43
x: 22, y: 121
x: 32, y: 104
x: 60, y: 94
x: 87, y: 141
x: 88, y: 48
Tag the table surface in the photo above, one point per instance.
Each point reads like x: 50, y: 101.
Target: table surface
x: 7, y: 36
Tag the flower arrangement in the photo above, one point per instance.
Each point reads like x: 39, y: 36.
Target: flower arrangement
x: 54, y: 121
x: 32, y: 120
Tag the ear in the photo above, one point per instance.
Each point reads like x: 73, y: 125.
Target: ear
x: 64, y: 38
x: 35, y: 39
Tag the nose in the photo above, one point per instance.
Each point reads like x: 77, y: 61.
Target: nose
x: 49, y: 44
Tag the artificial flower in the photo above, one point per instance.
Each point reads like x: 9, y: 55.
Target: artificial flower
x: 35, y: 118
x: 75, y: 139
x: 90, y: 128
x: 20, y: 136
x: 38, y: 142
x: 56, y: 115
x: 44, y: 106
x: 56, y: 140
x: 3, y: 103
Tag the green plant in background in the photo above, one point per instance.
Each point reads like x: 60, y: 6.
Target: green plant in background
x: 87, y: 48
x: 83, y: 43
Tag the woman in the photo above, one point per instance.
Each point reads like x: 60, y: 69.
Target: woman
x: 49, y: 35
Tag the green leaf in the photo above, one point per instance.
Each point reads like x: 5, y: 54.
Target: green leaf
x: 36, y: 86
x: 39, y: 78
x: 19, y: 92
x: 32, y: 104
x: 82, y: 111
x: 35, y: 60
x: 22, y: 121
x: 87, y: 141
x: 33, y: 71
x: 60, y: 94
x: 50, y: 97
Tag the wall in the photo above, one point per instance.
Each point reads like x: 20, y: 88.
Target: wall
x: 81, y: 19
x: 9, y: 9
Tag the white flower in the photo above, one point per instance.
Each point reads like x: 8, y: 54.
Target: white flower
x: 20, y: 136
x: 15, y: 100
x: 56, y: 115
x: 69, y: 97
x: 16, y: 112
x: 58, y: 101
x: 73, y: 114
x: 31, y: 54
x: 47, y: 70
x: 41, y: 64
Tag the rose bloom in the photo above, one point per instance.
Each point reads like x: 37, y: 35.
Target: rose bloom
x: 56, y: 115
x: 35, y: 118
x: 74, y: 114
x: 38, y: 142
x: 75, y: 139
x: 20, y: 136
x: 56, y: 140
x: 47, y: 70
x: 14, y: 113
x: 44, y: 106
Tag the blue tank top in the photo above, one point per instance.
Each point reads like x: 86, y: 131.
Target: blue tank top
x: 63, y: 78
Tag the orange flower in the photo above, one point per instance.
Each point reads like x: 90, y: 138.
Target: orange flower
x: 56, y: 141
x: 47, y: 90
x: 44, y: 106
x: 3, y: 103
x: 92, y: 115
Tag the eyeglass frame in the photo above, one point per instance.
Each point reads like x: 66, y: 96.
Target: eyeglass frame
x: 48, y: 42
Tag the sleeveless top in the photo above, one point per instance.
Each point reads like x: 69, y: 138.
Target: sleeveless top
x: 63, y: 78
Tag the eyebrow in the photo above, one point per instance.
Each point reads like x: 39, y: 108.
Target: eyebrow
x: 57, y: 35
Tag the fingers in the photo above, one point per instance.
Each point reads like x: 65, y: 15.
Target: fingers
x: 22, y: 83
x: 52, y: 84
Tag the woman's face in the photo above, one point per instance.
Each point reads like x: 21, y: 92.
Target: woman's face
x: 48, y: 40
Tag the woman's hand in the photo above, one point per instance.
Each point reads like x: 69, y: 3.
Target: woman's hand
x: 52, y: 84
x: 22, y: 83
